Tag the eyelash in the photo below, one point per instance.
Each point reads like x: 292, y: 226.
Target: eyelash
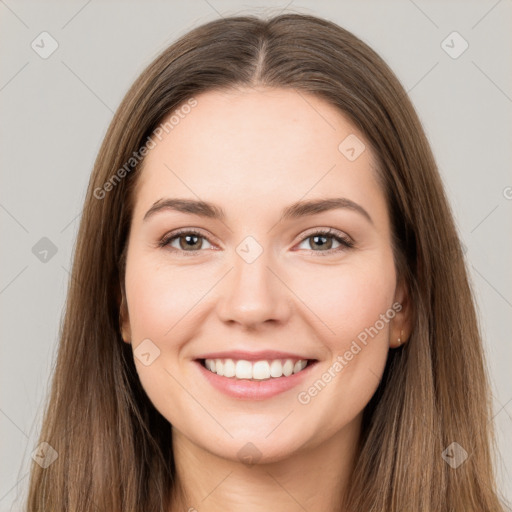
x: 346, y: 243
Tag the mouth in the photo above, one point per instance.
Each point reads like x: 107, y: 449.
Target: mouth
x: 254, y: 380
x: 262, y: 370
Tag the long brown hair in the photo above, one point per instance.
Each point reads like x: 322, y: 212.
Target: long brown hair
x: 114, y: 448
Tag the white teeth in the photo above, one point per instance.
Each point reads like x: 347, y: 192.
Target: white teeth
x: 261, y: 370
x: 243, y: 370
x: 299, y: 365
x: 229, y: 368
x: 276, y: 368
x: 257, y: 370
x: 288, y: 368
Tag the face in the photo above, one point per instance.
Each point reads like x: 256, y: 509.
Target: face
x: 256, y: 286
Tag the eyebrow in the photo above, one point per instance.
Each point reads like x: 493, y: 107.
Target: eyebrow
x: 293, y: 211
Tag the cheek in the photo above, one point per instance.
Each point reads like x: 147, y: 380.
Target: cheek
x: 353, y: 306
x: 158, y: 302
x: 349, y: 299
x: 158, y: 299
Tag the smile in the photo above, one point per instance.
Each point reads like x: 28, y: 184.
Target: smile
x: 255, y: 370
x: 254, y: 380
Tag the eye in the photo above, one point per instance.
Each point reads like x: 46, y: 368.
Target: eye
x: 324, y: 240
x: 188, y: 241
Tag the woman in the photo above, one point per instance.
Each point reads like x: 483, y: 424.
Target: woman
x: 210, y: 357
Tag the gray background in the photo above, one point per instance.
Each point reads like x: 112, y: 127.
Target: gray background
x: 55, y: 111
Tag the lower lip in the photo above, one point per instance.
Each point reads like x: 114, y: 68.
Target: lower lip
x: 246, y: 389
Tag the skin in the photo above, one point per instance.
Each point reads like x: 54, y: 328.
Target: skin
x: 253, y: 152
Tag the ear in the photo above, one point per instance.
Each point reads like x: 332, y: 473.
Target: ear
x: 124, y: 319
x: 401, y: 325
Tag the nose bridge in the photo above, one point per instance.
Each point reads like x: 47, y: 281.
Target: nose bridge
x: 253, y: 293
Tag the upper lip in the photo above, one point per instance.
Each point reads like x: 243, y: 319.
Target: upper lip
x: 252, y: 356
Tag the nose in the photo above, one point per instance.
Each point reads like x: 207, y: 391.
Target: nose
x: 254, y: 293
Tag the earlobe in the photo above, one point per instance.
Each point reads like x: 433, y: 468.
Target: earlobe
x: 400, y: 330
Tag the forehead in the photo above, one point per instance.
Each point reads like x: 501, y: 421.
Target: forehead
x: 253, y: 148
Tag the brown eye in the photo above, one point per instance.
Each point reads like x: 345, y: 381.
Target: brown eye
x: 323, y: 241
x: 193, y: 242
x: 185, y: 242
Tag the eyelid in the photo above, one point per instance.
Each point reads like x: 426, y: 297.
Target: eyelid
x: 325, y: 231
x: 166, y: 239
x: 346, y: 242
